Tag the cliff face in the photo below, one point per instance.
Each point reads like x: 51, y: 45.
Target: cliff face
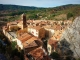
x: 70, y: 40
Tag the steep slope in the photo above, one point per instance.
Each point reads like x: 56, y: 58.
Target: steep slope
x: 71, y: 39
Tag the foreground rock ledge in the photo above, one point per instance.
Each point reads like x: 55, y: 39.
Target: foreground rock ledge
x: 71, y: 36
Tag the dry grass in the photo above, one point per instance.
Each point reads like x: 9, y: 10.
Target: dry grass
x: 61, y: 17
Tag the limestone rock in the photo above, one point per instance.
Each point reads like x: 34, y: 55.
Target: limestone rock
x: 72, y: 38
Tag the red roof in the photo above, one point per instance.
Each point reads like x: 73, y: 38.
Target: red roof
x: 24, y: 37
x: 30, y: 42
x: 52, y: 42
x: 37, y: 53
x: 37, y: 27
x: 57, y: 27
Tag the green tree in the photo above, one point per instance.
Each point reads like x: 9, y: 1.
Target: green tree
x: 69, y: 15
x: 33, y: 16
x: 13, y: 45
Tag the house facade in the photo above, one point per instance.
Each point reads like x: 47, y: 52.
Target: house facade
x: 51, y: 45
x: 37, y: 31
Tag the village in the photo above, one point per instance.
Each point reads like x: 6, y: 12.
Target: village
x: 37, y: 38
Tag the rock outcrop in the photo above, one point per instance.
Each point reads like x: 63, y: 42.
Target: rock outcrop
x: 71, y: 38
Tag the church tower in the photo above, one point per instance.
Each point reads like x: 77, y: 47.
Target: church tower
x: 24, y: 20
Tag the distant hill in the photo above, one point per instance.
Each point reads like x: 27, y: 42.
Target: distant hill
x: 16, y: 7
x: 66, y: 6
x: 72, y: 9
x: 64, y: 12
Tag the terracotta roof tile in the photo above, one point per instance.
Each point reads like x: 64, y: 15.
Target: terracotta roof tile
x: 5, y: 27
x: 37, y: 53
x: 29, y: 42
x: 37, y: 27
x: 57, y: 27
x: 32, y: 42
x: 20, y: 32
x: 20, y: 23
x: 43, y: 22
x: 12, y: 23
x: 30, y: 26
x: 46, y: 58
x: 24, y: 37
x: 52, y: 42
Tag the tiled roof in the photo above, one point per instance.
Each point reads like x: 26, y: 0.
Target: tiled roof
x: 5, y: 27
x: 37, y: 27
x: 20, y: 23
x: 52, y: 41
x: 27, y: 50
x: 37, y: 21
x: 30, y: 21
x: 57, y: 27
x: 37, y: 53
x: 57, y: 35
x: 20, y: 32
x: 48, y: 27
x: 31, y: 42
x: 53, y: 38
x: 46, y: 58
x: 43, y: 22
x: 30, y: 26
x: 24, y: 37
x: 12, y: 23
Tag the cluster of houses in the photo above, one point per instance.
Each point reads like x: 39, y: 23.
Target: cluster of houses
x: 30, y: 34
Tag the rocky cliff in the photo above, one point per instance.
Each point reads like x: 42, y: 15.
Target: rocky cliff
x: 70, y: 40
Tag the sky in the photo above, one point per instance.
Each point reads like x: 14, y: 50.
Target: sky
x: 40, y: 3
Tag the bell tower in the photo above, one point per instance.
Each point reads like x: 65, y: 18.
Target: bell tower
x: 24, y: 20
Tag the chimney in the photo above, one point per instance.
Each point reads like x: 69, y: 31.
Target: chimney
x: 24, y: 20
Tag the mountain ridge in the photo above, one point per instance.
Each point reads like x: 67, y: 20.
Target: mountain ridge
x: 17, y: 7
x: 64, y: 12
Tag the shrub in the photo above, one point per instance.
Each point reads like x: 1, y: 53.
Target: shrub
x: 55, y: 55
x: 69, y: 15
x: 13, y: 44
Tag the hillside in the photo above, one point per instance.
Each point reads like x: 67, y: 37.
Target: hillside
x: 16, y: 7
x: 65, y: 12
x: 72, y: 9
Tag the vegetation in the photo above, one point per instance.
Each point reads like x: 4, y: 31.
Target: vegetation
x: 55, y: 55
x: 13, y: 45
x: 16, y: 7
x: 9, y: 49
x: 69, y: 15
x: 13, y: 12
